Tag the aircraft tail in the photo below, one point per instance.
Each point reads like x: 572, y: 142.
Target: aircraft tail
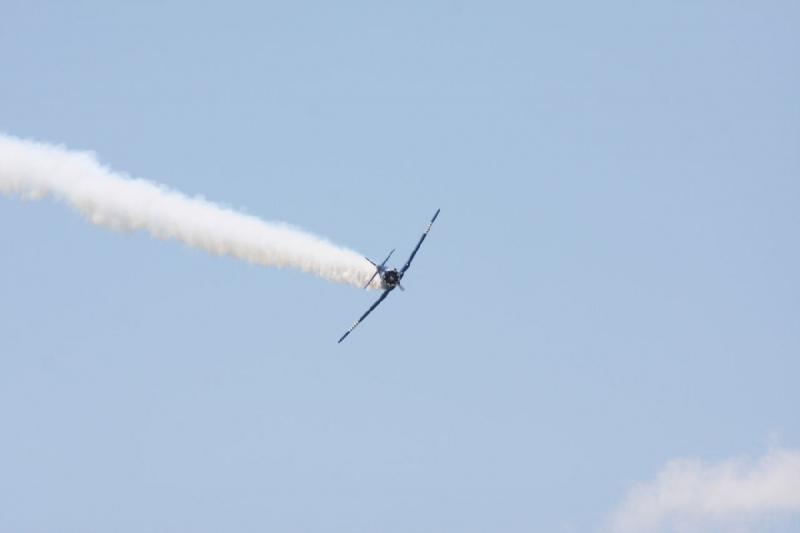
x: 378, y: 268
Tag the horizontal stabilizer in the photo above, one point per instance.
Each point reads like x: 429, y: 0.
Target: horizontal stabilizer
x: 370, y: 279
x: 387, y: 257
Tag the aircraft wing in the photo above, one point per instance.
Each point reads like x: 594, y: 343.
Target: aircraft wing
x: 373, y: 306
x: 408, y: 263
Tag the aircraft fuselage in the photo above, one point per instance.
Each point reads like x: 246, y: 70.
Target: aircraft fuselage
x: 390, y: 278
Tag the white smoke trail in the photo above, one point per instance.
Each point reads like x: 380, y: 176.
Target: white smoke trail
x: 111, y: 199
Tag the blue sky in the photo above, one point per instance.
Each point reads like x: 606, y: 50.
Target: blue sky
x: 612, y: 283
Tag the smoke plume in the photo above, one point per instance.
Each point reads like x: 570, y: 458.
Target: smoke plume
x: 111, y: 199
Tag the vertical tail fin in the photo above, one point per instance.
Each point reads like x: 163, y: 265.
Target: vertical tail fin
x: 378, y: 268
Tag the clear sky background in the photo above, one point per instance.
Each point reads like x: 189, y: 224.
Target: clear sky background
x: 612, y: 283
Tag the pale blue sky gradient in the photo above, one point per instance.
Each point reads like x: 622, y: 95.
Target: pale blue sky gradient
x: 612, y: 283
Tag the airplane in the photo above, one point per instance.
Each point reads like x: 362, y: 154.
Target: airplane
x: 390, y: 277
